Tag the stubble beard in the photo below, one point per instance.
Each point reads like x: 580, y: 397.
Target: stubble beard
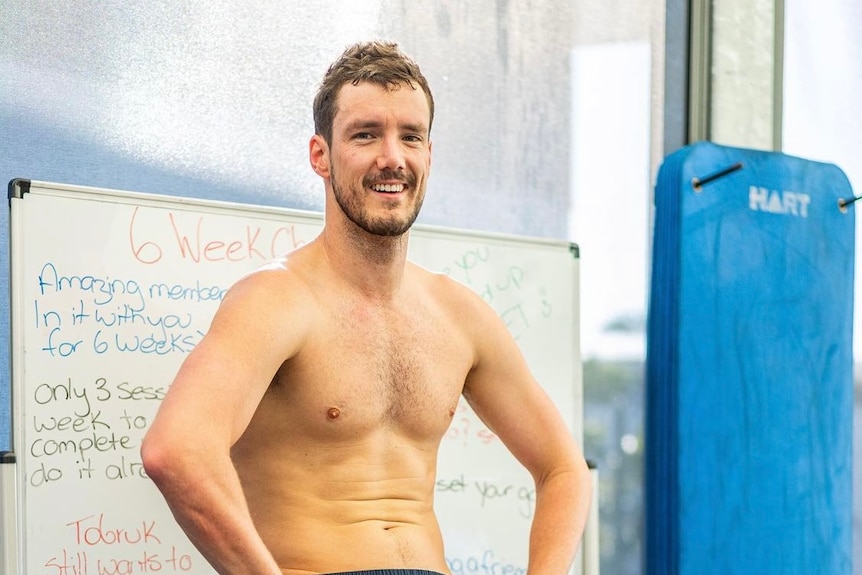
x: 353, y: 206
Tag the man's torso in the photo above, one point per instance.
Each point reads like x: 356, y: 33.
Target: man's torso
x: 338, y: 463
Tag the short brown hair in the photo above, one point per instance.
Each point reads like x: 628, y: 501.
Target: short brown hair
x: 379, y: 62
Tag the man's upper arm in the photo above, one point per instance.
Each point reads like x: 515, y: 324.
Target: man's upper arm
x: 504, y: 394
x: 221, y: 382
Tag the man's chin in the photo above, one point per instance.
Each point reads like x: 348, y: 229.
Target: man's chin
x: 388, y: 229
x: 388, y: 226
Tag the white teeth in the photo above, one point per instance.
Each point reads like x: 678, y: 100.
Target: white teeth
x: 388, y: 187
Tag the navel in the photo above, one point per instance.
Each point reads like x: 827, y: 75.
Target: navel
x: 333, y: 413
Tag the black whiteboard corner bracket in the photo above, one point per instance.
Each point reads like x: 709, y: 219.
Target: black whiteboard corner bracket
x: 8, y: 515
x: 18, y: 187
x: 575, y: 249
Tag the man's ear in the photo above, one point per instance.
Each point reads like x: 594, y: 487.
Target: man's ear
x: 318, y: 155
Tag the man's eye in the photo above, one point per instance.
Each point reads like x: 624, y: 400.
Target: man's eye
x: 362, y: 136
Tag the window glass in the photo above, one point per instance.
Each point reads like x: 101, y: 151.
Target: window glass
x: 545, y: 117
x: 822, y: 121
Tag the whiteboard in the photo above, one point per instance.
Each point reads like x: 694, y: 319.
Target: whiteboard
x: 110, y: 291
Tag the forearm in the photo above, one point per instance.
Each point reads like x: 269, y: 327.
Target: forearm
x: 208, y: 503
x: 225, y: 536
x: 562, y: 504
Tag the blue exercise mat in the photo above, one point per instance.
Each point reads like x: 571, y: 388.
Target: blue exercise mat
x: 749, y: 382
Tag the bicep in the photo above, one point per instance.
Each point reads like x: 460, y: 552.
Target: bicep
x: 507, y: 398
x: 219, y: 385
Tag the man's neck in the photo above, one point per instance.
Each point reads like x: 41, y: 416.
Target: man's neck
x: 373, y: 265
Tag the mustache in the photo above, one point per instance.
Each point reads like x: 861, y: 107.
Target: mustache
x: 390, y: 176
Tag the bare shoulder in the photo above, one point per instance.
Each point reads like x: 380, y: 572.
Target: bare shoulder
x: 495, y: 349
x: 446, y: 290
x: 469, y: 311
x: 259, y: 305
x: 277, y: 283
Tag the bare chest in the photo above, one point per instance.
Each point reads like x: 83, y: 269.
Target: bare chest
x: 366, y: 368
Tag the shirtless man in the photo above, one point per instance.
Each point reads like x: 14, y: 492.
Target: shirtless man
x: 301, y: 435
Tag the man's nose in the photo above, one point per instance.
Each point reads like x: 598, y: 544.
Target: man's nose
x: 391, y: 154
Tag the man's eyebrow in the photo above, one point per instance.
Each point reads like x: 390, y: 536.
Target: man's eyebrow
x: 363, y: 124
x: 418, y: 128
x: 370, y: 124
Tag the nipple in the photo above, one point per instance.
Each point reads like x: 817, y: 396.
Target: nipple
x: 333, y: 413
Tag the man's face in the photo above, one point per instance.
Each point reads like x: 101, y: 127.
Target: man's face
x: 380, y: 156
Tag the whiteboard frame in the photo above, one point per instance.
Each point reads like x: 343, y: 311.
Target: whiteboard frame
x: 19, y: 188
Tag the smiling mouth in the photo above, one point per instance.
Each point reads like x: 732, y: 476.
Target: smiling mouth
x: 388, y: 188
